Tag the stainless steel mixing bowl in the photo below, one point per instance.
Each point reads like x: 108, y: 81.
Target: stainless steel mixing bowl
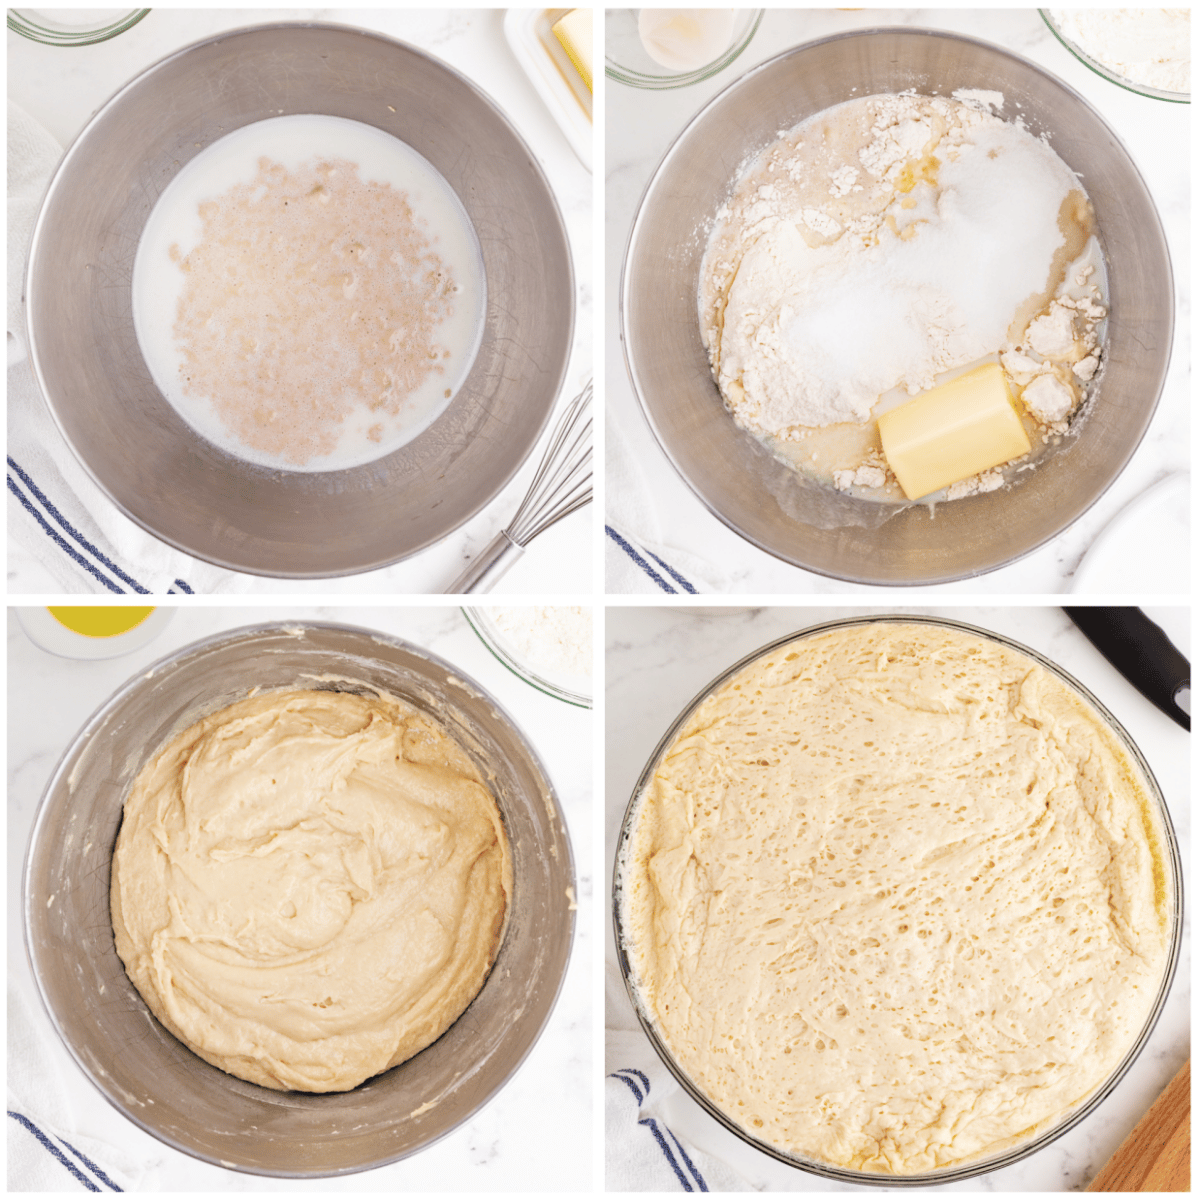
x: 1172, y: 884
x: 155, y: 1080
x: 86, y: 356
x: 735, y: 475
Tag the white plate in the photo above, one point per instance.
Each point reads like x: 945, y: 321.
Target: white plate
x: 531, y: 37
x: 1145, y: 549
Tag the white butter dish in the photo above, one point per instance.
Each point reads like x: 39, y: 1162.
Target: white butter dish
x: 531, y: 38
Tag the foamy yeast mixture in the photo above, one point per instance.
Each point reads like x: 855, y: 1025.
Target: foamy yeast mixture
x: 885, y: 246
x: 895, y: 898
x: 309, y: 887
x: 309, y: 293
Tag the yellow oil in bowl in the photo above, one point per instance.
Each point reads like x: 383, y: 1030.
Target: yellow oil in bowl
x: 100, y: 622
x: 93, y: 631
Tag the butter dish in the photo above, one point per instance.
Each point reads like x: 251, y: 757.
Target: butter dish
x: 530, y: 36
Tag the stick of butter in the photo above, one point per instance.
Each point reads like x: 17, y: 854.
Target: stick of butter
x: 952, y: 432
x: 575, y: 32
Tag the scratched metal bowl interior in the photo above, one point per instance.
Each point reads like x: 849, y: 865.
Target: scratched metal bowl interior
x: 89, y: 365
x: 737, y: 478
x: 1172, y: 868
x: 152, y: 1078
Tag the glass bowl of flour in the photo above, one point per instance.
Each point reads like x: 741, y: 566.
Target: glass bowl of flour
x: 1144, y: 50
x: 548, y: 646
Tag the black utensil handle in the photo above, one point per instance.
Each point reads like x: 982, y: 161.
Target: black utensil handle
x: 1141, y: 652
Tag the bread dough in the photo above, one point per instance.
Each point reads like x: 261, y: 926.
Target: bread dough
x: 309, y: 887
x: 895, y: 898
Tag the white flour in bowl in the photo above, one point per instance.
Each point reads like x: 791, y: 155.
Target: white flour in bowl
x: 1150, y: 46
x: 550, y: 639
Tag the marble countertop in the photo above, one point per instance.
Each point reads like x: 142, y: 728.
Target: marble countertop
x: 62, y: 87
x: 658, y: 659
x: 641, y: 125
x: 541, y: 1121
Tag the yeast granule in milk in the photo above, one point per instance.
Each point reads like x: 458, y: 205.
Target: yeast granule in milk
x: 895, y: 898
x: 309, y: 293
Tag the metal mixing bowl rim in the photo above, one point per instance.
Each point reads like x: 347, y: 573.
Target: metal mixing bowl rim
x: 137, y: 680
x: 55, y: 182
x: 970, y: 1168
x: 623, y: 302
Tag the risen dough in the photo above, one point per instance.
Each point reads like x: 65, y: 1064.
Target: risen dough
x: 895, y: 898
x: 309, y: 887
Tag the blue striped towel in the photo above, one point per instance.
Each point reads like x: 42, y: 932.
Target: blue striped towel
x: 42, y: 1155
x: 63, y: 530
x: 636, y: 560
x: 642, y: 1152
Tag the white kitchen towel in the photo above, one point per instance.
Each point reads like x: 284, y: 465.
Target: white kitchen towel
x: 641, y: 1152
x: 635, y: 558
x: 56, y: 513
x: 43, y: 1154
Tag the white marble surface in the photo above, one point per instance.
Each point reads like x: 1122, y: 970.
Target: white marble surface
x: 62, y: 87
x: 640, y: 125
x: 658, y: 659
x: 537, y: 1132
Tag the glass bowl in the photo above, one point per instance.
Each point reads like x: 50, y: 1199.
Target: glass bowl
x: 51, y: 28
x: 626, y: 60
x: 969, y: 1168
x: 158, y: 1083
x: 1106, y: 72
x: 570, y: 687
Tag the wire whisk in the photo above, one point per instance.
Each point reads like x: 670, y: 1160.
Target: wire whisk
x: 562, y: 485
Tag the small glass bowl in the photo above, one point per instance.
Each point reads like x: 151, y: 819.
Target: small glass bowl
x: 572, y: 689
x: 1106, y: 72
x: 43, y: 25
x: 969, y: 1168
x: 626, y: 60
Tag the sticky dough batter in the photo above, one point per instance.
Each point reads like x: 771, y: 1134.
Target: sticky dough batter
x: 895, y: 898
x: 309, y: 887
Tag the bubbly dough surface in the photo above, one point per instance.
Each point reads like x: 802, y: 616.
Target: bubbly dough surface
x: 895, y: 898
x: 309, y: 887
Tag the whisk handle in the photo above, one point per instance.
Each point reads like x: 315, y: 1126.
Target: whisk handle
x: 486, y: 571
